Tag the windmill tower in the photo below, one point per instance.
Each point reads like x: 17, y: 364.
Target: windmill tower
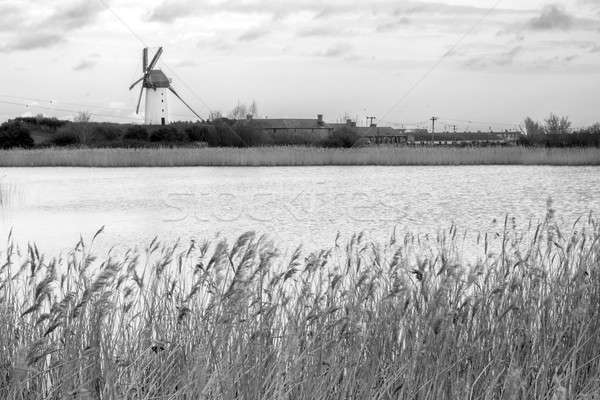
x: 157, y: 87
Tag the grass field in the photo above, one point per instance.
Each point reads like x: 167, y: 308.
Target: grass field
x: 296, y: 156
x: 396, y: 320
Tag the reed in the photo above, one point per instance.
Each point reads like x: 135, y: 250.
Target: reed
x: 405, y: 319
x: 296, y: 156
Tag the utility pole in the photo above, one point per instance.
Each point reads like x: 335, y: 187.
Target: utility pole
x: 454, y: 127
x: 371, y: 119
x: 433, y: 119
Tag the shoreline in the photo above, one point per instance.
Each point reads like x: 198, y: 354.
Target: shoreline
x: 297, y: 156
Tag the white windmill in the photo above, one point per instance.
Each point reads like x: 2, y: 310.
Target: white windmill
x: 157, y: 87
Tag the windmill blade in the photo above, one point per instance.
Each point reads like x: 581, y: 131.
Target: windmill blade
x: 186, y: 104
x: 136, y: 82
x: 137, y: 110
x: 155, y: 58
x: 145, y: 60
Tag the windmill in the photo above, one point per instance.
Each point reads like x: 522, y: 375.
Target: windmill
x: 157, y: 86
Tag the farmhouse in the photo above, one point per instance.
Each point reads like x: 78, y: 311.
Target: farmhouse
x: 293, y: 125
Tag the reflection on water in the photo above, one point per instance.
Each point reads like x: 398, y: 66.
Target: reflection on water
x: 308, y: 205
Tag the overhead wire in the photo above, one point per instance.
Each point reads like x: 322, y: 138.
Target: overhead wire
x: 439, y: 61
x: 29, y: 105
x: 84, y: 106
x: 143, y: 42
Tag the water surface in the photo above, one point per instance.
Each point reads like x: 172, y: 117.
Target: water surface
x: 293, y: 205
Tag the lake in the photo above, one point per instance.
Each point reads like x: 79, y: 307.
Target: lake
x: 295, y: 205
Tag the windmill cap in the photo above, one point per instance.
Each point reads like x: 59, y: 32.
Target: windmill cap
x: 157, y: 78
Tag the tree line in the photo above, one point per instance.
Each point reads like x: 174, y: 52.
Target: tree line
x: 557, y: 131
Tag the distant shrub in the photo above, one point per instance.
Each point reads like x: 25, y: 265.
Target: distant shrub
x: 197, y: 133
x: 203, y: 133
x: 342, y: 137
x: 226, y: 135
x: 65, y: 138
x: 41, y: 121
x: 14, y: 134
x: 107, y: 132
x: 251, y: 135
x: 167, y: 134
x: 136, y: 132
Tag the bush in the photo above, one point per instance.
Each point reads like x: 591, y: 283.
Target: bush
x: 65, y: 138
x: 41, y: 121
x: 342, y: 137
x: 136, y: 132
x: 167, y: 134
x: 226, y: 135
x: 15, y: 134
x: 252, y: 135
x: 107, y: 132
x: 203, y: 133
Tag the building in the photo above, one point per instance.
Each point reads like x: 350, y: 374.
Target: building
x: 506, y: 138
x: 314, y: 130
x: 293, y: 125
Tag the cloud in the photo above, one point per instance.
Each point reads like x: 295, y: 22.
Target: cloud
x: 10, y: 16
x: 497, y: 60
x: 252, y: 35
x: 337, y: 50
x: 318, y: 31
x: 32, y: 41
x: 552, y: 17
x: 77, y: 15
x: 186, y: 63
x: 84, y: 64
x: 393, y: 26
x: 50, y: 30
x: 170, y: 10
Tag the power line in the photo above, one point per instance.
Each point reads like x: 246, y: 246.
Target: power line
x: 139, y: 38
x: 169, y: 68
x: 443, y: 57
x: 64, y: 110
x: 82, y: 105
x: 143, y: 42
x: 470, y: 121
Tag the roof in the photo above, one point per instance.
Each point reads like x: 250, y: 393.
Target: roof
x: 288, y: 123
x: 460, y: 136
x: 157, y: 78
x: 379, y: 131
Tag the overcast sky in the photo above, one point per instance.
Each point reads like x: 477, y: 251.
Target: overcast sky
x: 402, y: 61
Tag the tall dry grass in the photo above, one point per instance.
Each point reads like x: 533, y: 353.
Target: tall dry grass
x: 296, y: 156
x: 396, y: 320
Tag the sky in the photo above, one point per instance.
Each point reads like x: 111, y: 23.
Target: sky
x: 473, y: 63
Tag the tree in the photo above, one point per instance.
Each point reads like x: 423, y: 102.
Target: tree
x: 342, y: 137
x: 136, y: 132
x: 533, y: 128
x: 253, y: 109
x: 14, y: 134
x: 240, y: 111
x: 215, y: 115
x: 167, y: 134
x: 83, y: 116
x: 556, y: 125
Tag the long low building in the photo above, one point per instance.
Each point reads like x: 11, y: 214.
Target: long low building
x: 465, y: 139
x: 374, y: 135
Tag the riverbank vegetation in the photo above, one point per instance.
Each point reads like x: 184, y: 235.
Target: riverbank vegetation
x: 296, y: 156
x: 405, y: 319
x: 41, y: 132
